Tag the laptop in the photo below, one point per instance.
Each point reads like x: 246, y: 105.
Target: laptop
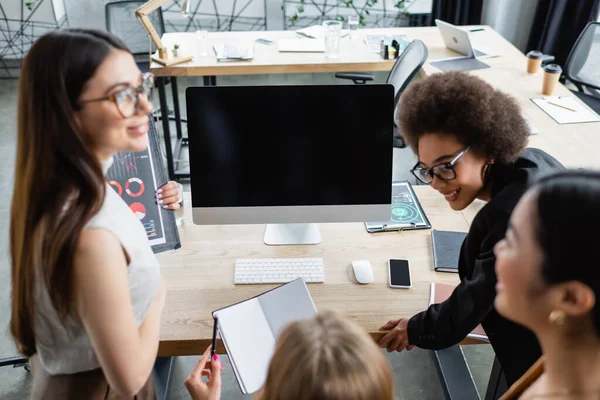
x: 457, y: 39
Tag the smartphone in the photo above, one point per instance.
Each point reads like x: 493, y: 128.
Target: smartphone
x: 399, y: 273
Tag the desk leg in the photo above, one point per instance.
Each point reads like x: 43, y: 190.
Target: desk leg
x: 176, y: 107
x: 165, y: 123
x: 161, y: 373
x: 497, y: 383
x: 210, y: 81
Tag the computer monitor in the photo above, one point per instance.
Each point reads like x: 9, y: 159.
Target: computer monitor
x: 290, y: 156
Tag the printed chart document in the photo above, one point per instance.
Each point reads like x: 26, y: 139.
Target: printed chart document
x: 439, y: 293
x: 566, y: 110
x: 250, y: 328
x: 135, y: 177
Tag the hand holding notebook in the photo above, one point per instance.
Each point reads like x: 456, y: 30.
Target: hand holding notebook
x: 250, y: 328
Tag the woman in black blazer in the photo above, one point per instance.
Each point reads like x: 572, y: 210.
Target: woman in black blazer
x: 470, y: 141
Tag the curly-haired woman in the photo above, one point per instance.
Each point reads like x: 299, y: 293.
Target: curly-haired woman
x: 470, y: 142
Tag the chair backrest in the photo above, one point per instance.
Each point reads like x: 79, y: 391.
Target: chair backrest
x: 122, y: 22
x: 583, y: 64
x: 407, y: 66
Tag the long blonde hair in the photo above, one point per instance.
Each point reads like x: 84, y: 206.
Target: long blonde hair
x: 328, y: 357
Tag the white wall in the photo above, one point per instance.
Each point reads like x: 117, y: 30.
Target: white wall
x: 511, y: 18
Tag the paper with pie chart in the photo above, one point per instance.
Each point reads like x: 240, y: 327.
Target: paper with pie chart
x: 132, y: 177
x: 406, y: 211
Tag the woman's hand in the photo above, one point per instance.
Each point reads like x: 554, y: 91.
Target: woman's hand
x: 168, y: 196
x: 397, y: 337
x: 198, y: 388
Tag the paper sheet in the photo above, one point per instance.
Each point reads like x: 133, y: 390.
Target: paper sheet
x: 240, y: 325
x: 575, y: 111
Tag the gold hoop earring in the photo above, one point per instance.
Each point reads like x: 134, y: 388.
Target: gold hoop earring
x: 486, y: 170
x: 557, y: 317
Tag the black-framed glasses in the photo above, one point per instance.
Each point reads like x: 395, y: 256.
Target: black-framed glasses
x: 127, y: 99
x: 444, y: 171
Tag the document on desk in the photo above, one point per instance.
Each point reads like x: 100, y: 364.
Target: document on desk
x: 250, y: 328
x: 230, y: 52
x: 566, y: 109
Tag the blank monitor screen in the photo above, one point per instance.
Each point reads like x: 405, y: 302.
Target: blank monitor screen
x: 290, y: 146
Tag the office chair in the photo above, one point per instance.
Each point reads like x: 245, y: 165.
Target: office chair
x: 405, y: 68
x: 122, y: 22
x: 583, y: 66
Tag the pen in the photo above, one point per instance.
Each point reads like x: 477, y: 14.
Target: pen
x: 213, y: 348
x: 558, y: 105
x: 305, y: 35
x: 477, y: 30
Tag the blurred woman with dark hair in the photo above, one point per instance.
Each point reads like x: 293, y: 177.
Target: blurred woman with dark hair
x: 87, y: 292
x: 549, y: 281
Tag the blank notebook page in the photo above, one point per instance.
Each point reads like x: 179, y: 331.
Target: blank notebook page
x: 245, y: 323
x: 566, y: 110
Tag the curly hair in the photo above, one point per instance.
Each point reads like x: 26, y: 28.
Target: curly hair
x: 466, y: 107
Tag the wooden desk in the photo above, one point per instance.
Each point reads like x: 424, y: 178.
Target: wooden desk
x: 200, y: 273
x: 575, y: 145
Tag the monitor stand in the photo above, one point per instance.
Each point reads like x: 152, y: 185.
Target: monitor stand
x: 282, y: 234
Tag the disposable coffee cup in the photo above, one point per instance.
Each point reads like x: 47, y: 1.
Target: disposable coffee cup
x: 534, y: 61
x: 551, y: 75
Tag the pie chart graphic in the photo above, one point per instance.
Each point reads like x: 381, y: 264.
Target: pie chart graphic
x: 404, y: 213
x: 138, y: 209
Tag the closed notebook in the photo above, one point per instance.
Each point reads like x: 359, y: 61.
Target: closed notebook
x: 250, y: 328
x: 439, y: 293
x: 446, y: 249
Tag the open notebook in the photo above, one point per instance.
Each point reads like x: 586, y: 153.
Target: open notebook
x: 439, y: 293
x: 250, y: 328
x: 566, y: 109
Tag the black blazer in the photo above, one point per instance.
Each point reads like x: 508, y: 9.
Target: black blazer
x: 472, y: 302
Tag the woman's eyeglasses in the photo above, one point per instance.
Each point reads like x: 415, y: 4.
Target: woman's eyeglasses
x: 127, y: 99
x: 444, y: 171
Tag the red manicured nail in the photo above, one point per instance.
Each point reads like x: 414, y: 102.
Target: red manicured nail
x: 216, y: 357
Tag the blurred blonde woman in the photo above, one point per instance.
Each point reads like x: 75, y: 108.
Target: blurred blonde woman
x: 328, y: 357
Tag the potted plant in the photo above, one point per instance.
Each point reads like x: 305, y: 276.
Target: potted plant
x: 362, y: 10
x: 175, y: 50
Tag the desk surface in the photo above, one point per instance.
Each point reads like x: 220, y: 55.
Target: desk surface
x: 575, y: 145
x: 200, y: 273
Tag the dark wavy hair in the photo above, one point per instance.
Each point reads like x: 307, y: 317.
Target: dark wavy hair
x: 59, y: 184
x: 466, y: 107
x: 568, y: 208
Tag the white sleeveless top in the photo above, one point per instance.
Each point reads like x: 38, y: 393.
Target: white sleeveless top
x: 66, y: 348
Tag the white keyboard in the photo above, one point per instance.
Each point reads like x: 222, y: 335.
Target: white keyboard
x: 278, y: 270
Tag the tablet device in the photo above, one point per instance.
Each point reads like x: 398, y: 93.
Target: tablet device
x: 406, y: 213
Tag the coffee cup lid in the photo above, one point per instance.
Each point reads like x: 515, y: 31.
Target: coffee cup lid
x: 535, y: 54
x: 552, y: 68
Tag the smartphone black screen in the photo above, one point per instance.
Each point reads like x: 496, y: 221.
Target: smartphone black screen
x: 399, y: 273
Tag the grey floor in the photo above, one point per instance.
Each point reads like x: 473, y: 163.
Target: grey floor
x: 416, y: 377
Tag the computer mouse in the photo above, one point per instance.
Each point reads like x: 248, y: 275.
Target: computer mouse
x: 363, y: 271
